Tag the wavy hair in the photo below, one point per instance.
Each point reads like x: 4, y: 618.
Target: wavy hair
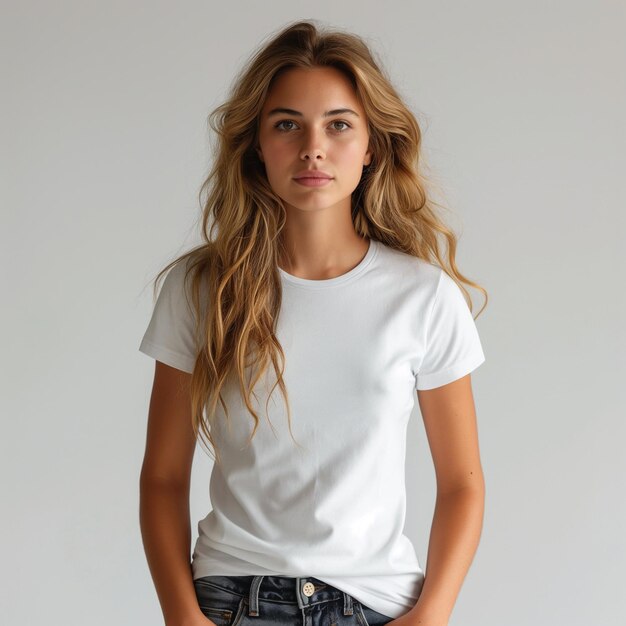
x: 237, y: 263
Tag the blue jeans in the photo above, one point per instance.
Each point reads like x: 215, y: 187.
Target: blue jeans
x: 269, y: 600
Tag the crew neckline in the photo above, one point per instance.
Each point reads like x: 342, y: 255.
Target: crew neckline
x: 337, y: 280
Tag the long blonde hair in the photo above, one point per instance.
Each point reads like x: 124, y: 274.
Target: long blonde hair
x: 237, y: 263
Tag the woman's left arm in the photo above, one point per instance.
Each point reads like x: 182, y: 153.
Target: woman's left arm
x: 450, y: 422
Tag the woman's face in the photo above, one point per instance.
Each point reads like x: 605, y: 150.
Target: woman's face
x: 301, y: 128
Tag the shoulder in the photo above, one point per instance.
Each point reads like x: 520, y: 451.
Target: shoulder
x: 178, y: 284
x: 176, y: 276
x: 409, y: 270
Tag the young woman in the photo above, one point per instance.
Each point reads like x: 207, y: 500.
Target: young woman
x: 323, y: 260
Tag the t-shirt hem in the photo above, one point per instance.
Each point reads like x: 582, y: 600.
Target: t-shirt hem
x: 450, y: 374
x: 209, y: 567
x: 167, y: 356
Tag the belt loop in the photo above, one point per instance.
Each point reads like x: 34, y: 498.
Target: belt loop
x: 253, y: 599
x: 347, y: 604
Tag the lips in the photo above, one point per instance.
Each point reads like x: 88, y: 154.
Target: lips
x: 312, y: 174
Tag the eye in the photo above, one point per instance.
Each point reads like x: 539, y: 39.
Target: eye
x: 282, y: 122
x: 342, y: 122
x: 278, y: 125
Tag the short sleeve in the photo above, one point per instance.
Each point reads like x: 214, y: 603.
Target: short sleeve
x: 170, y: 336
x: 453, y: 347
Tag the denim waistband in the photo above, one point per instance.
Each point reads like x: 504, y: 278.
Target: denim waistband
x: 303, y: 591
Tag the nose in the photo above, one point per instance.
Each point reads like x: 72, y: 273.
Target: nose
x: 312, y: 146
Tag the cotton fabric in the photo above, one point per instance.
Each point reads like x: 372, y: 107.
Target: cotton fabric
x: 357, y: 348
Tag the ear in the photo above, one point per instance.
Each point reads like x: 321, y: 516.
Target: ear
x: 260, y: 154
x: 367, y: 159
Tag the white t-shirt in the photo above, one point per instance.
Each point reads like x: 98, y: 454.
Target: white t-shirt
x: 357, y: 347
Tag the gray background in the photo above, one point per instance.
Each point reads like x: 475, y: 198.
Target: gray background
x: 104, y: 146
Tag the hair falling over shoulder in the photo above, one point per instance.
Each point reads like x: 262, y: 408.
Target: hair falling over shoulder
x: 237, y: 263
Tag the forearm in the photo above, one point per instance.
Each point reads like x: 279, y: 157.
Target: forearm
x: 454, y: 538
x: 166, y: 532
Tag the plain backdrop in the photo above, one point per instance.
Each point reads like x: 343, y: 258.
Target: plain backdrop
x: 105, y: 144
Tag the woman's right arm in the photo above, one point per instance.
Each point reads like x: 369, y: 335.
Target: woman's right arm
x: 164, y: 497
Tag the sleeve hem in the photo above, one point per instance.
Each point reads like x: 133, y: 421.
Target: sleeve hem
x: 167, y: 356
x: 450, y: 374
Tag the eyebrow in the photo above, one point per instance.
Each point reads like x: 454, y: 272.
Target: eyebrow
x: 298, y: 114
